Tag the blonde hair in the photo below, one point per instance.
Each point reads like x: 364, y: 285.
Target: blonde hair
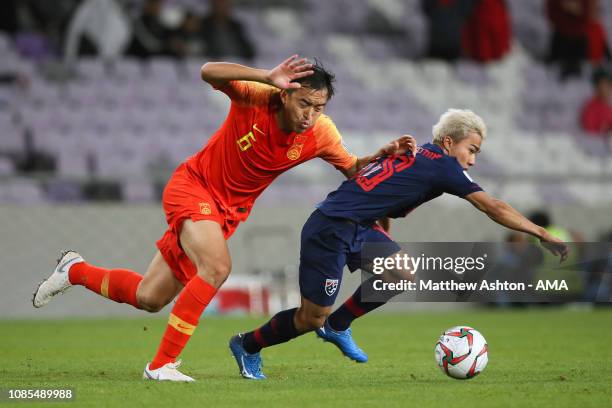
x: 458, y: 123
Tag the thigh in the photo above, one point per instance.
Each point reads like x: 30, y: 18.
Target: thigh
x: 186, y: 198
x: 376, y: 244
x: 159, y: 282
x: 322, y: 261
x: 204, y: 243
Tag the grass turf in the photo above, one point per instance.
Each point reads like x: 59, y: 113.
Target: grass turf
x: 537, y: 358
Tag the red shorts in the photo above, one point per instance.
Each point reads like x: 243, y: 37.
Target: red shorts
x: 186, y: 197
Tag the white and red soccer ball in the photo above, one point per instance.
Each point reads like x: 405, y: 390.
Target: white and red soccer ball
x: 462, y: 352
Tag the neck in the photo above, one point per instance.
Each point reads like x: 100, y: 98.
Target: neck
x: 444, y: 150
x: 281, y: 122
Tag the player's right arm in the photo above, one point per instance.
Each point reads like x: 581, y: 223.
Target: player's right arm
x: 503, y: 214
x: 219, y: 74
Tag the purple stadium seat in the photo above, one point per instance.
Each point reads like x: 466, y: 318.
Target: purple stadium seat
x: 91, y: 68
x: 82, y: 93
x: 63, y: 191
x: 43, y: 92
x: 377, y: 47
x: 138, y: 191
x: 34, y: 46
x: 472, y: 73
x: 21, y: 191
x: 7, y: 167
x: 162, y: 69
x: 126, y: 69
x: 11, y: 137
x: 593, y: 146
x: 6, y: 44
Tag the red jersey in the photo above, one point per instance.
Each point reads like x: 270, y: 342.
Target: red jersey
x: 249, y: 150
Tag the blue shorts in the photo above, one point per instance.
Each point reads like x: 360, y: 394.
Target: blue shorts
x: 328, y: 244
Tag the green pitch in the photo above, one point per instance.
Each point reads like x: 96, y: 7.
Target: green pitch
x: 537, y: 358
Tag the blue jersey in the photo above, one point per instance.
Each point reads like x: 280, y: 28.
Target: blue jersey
x: 392, y: 186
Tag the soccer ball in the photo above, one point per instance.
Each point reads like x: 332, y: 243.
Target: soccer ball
x: 462, y: 352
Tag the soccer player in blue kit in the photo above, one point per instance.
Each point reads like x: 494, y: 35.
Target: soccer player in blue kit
x: 333, y: 236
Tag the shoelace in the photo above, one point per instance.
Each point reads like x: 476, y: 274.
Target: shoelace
x: 175, y: 365
x: 345, y: 333
x: 60, y: 291
x: 255, y: 364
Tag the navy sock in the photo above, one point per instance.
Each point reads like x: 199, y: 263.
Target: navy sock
x: 279, y: 329
x: 353, y: 308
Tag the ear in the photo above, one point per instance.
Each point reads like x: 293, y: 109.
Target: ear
x: 447, y: 142
x: 284, y: 95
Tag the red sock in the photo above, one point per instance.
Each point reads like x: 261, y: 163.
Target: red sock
x: 116, y: 284
x: 183, y: 320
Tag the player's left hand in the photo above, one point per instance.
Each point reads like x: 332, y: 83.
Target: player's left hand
x: 400, y: 146
x: 288, y: 70
x: 555, y: 246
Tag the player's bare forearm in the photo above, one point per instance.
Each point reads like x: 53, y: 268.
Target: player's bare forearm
x: 218, y: 73
x: 282, y: 76
x: 359, y: 164
x: 504, y: 214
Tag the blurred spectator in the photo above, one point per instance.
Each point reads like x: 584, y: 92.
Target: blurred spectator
x: 599, y: 270
x: 223, y: 34
x: 188, y: 40
x: 150, y: 34
x: 515, y: 263
x: 596, y: 116
x: 8, y: 16
x: 487, y: 34
x: 37, y: 25
x: 577, y: 34
x: 446, y: 20
x: 543, y: 219
x: 598, y: 50
x: 97, y: 27
x: 572, y: 271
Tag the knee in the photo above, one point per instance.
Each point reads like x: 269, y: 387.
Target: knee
x: 149, y: 303
x: 311, y: 320
x: 215, y: 272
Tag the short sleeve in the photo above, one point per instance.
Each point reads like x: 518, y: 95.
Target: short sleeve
x: 458, y: 182
x: 330, y: 146
x: 247, y: 93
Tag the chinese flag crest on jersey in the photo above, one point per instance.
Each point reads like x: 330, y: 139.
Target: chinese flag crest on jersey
x: 295, y: 150
x: 205, y: 209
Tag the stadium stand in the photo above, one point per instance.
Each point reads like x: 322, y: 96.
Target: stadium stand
x: 129, y: 122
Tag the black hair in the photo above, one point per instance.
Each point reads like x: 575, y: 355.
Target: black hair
x: 320, y: 78
x: 540, y: 218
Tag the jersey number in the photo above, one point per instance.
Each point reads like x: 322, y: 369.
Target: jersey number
x: 389, y: 166
x: 246, y: 141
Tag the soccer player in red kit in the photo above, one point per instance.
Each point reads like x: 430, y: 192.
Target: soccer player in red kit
x: 275, y: 122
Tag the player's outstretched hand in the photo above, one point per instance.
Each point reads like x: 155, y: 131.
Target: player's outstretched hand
x: 400, y: 146
x: 290, y: 69
x: 555, y: 246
